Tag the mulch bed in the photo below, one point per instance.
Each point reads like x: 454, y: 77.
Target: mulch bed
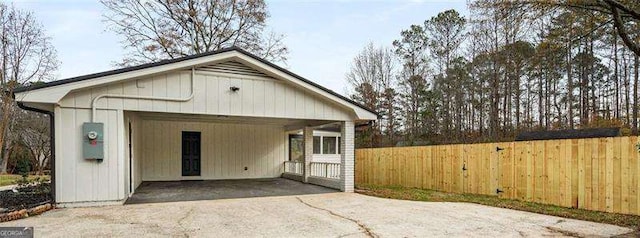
x: 28, y: 200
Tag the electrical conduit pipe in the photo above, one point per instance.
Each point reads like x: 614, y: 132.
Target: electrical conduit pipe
x: 95, y: 100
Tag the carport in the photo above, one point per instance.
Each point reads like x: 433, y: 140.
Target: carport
x: 174, y: 191
x: 218, y: 115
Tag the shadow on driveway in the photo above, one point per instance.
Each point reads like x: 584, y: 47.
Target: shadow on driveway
x: 174, y: 191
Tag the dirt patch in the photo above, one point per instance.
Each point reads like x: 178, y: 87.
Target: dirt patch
x: 25, y: 197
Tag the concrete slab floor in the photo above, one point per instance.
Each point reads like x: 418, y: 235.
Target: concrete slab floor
x: 175, y: 191
x: 317, y: 215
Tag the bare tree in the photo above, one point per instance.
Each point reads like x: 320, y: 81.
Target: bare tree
x: 26, y: 55
x: 34, y: 135
x: 164, y: 29
x: 372, y: 76
x: 620, y: 12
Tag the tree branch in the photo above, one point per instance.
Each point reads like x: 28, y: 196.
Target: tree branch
x: 619, y: 25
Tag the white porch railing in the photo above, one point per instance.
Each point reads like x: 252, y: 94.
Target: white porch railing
x: 325, y: 170
x: 293, y: 167
x: 317, y: 169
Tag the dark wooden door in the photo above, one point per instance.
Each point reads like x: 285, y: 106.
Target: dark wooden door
x: 190, y: 153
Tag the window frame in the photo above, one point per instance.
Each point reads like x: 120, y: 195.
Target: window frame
x: 326, y: 142
x: 321, y: 147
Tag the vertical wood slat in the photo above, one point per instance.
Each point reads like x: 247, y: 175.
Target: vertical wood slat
x: 633, y: 173
x: 597, y: 174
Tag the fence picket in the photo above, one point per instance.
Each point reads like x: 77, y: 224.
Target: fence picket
x: 598, y: 174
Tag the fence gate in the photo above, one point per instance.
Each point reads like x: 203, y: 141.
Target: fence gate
x: 505, y: 168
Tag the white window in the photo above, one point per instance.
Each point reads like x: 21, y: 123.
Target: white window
x: 326, y: 145
x: 317, y: 141
x: 329, y: 145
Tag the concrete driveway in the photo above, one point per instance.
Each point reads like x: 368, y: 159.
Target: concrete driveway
x: 317, y: 215
x: 177, y: 191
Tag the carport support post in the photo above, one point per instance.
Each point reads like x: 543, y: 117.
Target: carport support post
x: 347, y: 159
x: 307, y: 133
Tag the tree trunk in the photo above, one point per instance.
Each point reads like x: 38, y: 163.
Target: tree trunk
x: 4, y: 124
x: 6, y: 154
x: 635, y: 96
x: 569, y: 88
x: 540, y: 98
x: 42, y: 163
x: 627, y: 79
x: 616, y: 113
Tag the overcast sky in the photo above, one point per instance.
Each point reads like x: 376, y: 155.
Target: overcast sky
x: 322, y: 36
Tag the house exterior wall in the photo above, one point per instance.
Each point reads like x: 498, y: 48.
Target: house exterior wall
x: 257, y: 97
x: 80, y: 180
x: 226, y: 150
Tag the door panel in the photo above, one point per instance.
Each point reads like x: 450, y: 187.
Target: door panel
x: 190, y: 153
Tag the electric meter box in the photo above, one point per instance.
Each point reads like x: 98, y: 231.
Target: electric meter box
x: 93, y: 141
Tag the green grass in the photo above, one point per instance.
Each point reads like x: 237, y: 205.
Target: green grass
x: 396, y: 192
x: 9, y: 179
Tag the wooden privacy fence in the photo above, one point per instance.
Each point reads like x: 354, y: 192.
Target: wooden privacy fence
x: 596, y: 174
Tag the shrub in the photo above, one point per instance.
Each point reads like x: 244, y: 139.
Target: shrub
x: 23, y: 166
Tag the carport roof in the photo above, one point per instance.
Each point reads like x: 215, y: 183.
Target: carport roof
x: 176, y: 60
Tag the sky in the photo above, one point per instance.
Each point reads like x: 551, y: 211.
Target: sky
x: 322, y: 36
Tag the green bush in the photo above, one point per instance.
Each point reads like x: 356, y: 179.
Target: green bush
x: 23, y: 166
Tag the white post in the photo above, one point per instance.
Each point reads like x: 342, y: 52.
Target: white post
x: 307, y: 134
x: 347, y: 159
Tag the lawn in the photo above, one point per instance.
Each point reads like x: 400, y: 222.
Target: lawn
x: 9, y: 179
x: 396, y: 192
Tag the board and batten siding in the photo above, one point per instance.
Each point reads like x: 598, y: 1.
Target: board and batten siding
x: 226, y: 150
x: 80, y: 180
x: 257, y: 97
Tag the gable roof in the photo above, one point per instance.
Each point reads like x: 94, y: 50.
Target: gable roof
x: 190, y: 57
x: 127, y: 69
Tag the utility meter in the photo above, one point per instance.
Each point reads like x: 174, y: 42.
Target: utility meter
x: 92, y: 135
x: 93, y: 141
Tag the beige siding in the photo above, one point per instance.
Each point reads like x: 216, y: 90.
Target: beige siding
x: 257, y: 97
x: 226, y: 150
x: 80, y: 180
